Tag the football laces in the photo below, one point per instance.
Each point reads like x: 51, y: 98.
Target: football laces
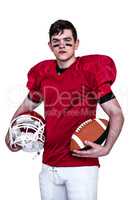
x: 83, y: 124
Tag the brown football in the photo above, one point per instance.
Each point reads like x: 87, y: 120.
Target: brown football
x: 94, y: 130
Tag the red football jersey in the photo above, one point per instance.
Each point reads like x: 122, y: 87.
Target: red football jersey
x: 69, y: 99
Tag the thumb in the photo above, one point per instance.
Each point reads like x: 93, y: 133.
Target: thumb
x: 89, y: 143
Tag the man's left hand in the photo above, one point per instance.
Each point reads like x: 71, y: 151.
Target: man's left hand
x: 95, y: 151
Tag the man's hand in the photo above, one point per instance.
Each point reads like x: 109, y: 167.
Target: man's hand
x: 13, y: 148
x: 95, y: 151
x: 113, y: 110
x: 27, y: 105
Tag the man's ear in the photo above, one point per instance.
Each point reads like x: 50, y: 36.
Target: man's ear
x: 50, y: 46
x: 76, y: 44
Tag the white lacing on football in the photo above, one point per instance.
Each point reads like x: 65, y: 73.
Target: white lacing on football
x: 82, y: 125
x: 88, y: 121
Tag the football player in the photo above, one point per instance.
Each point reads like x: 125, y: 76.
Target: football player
x: 71, y: 87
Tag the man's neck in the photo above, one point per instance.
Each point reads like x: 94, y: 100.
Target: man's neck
x: 66, y: 64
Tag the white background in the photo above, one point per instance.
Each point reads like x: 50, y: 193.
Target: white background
x: 105, y: 27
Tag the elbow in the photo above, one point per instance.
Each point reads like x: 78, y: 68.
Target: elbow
x: 117, y: 113
x: 121, y: 115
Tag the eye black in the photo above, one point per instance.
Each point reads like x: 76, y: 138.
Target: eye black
x: 56, y: 45
x: 67, y: 44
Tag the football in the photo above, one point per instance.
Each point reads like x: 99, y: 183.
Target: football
x: 94, y: 130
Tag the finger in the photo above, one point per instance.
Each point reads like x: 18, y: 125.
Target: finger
x: 88, y: 152
x: 85, y: 155
x: 92, y: 144
x: 77, y: 155
x: 15, y: 147
x: 77, y: 151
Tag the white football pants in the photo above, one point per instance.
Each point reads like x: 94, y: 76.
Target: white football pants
x: 68, y: 183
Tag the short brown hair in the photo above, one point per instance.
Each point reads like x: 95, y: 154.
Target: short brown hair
x: 59, y: 26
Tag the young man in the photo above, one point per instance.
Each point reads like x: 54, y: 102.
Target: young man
x: 71, y: 87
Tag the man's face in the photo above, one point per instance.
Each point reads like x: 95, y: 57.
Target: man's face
x: 63, y: 45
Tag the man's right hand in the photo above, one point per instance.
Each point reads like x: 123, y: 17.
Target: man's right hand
x: 27, y: 105
x: 14, y: 147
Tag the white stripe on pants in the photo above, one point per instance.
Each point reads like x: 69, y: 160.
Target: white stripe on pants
x: 68, y: 183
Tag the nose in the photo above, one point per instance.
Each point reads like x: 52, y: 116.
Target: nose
x: 61, y: 44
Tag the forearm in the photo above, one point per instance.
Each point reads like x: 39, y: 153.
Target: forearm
x: 27, y: 105
x: 113, y: 110
x: 116, y: 124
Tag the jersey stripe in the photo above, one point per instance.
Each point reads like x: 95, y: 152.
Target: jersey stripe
x: 101, y: 123
x: 78, y: 141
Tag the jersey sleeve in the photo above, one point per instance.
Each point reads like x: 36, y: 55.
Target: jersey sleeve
x: 105, y: 74
x: 34, y: 85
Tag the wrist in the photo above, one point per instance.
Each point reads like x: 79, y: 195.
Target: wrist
x: 107, y: 148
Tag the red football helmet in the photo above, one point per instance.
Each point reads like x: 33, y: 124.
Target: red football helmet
x: 27, y: 131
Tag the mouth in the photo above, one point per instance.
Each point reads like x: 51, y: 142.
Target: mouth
x: 62, y: 52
